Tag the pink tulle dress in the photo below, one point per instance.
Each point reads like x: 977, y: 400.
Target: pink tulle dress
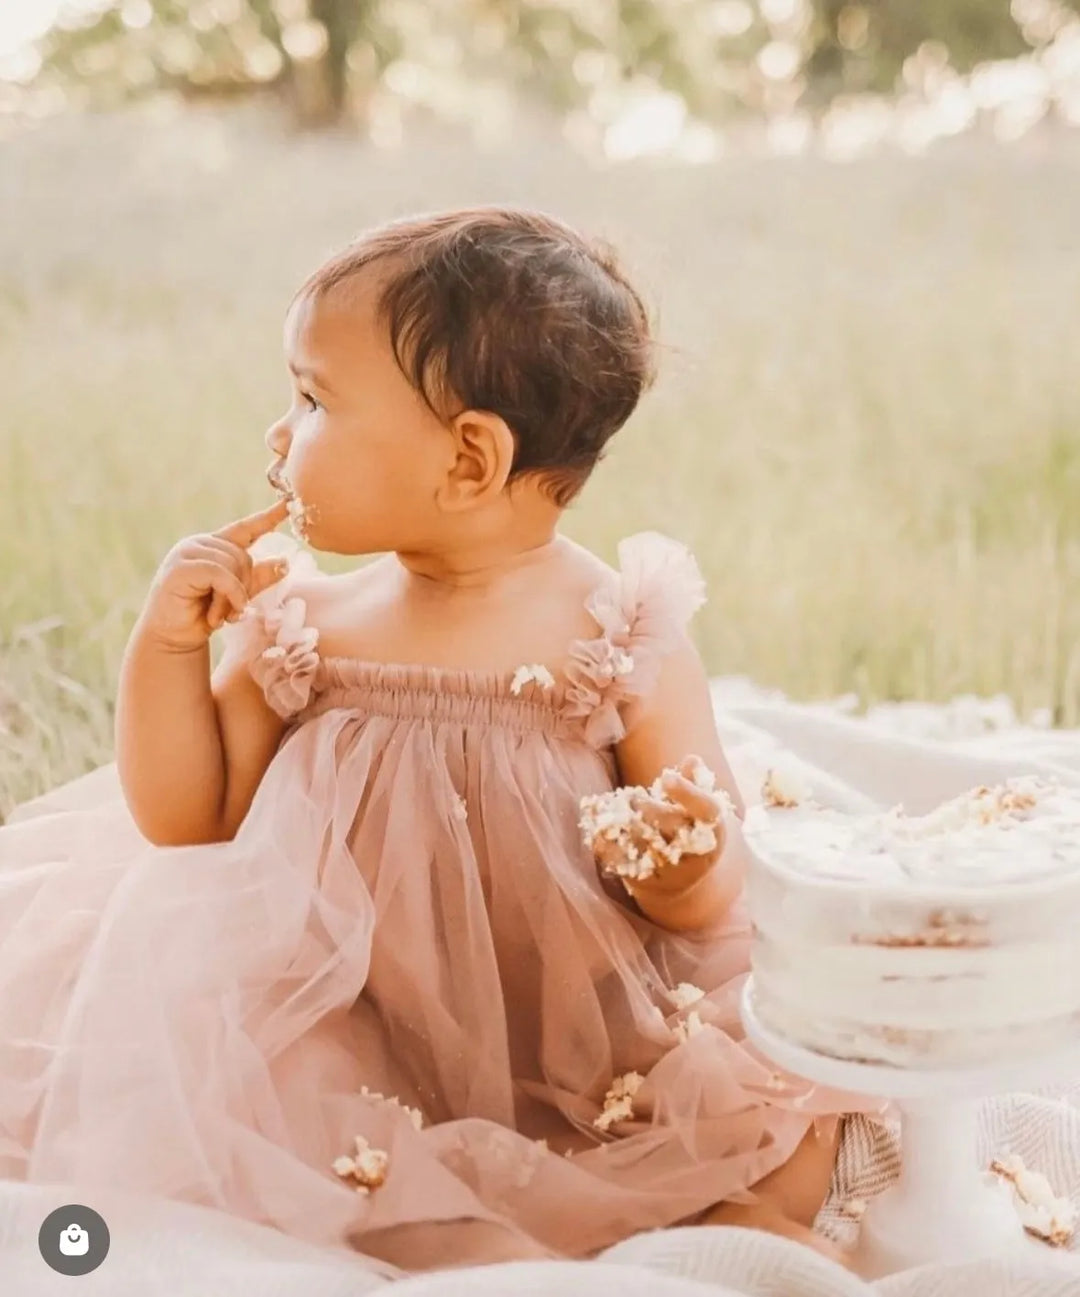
x: 407, y: 942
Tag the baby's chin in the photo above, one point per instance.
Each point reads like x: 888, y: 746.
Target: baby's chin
x: 309, y: 526
x: 326, y: 539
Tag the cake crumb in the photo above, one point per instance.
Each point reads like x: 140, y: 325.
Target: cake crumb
x: 686, y: 994
x: 367, y: 1168
x: 1041, y: 1212
x: 785, y: 788
x: 690, y: 1027
x: 536, y: 674
x: 619, y: 1100
x: 300, y: 515
x: 413, y: 1114
x: 624, y: 663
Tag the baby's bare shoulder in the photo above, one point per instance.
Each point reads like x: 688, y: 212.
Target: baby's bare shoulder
x: 553, y: 608
x: 329, y: 596
x: 591, y: 570
x: 363, y: 614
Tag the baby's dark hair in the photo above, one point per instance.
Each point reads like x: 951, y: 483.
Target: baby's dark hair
x: 516, y: 313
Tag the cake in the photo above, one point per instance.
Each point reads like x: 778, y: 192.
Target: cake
x: 941, y: 940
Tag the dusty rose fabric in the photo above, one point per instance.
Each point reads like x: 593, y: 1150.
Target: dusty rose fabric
x: 407, y: 907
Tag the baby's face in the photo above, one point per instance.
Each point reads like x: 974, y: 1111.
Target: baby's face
x: 360, y: 449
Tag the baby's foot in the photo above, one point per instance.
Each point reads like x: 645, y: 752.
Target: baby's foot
x: 441, y: 1244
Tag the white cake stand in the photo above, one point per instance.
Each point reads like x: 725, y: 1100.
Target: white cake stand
x: 945, y: 1206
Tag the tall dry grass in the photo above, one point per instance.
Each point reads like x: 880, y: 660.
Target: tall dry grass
x: 868, y: 426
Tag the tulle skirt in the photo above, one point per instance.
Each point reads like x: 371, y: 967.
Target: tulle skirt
x: 406, y: 943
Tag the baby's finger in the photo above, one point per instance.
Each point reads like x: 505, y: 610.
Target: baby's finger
x: 237, y: 560
x: 219, y: 553
x: 265, y: 574
x: 663, y: 816
x: 608, y: 854
x: 219, y: 611
x: 685, y: 793
x: 214, y: 579
x: 640, y: 838
x: 693, y: 768
x: 246, y: 531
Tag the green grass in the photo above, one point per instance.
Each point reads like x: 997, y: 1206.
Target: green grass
x: 868, y: 426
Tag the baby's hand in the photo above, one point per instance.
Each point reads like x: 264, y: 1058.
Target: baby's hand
x: 660, y: 839
x: 206, y: 580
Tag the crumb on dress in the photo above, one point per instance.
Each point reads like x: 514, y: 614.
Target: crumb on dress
x: 619, y: 1100
x: 367, y: 1168
x: 535, y: 674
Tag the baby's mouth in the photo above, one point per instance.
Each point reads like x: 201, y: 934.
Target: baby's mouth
x: 300, y: 514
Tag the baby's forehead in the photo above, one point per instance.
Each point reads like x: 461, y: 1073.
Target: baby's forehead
x: 338, y: 322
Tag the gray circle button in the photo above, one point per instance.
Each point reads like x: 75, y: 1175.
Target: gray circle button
x: 73, y: 1240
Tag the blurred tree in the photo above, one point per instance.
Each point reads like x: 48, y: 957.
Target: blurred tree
x: 299, y: 49
x: 331, y: 58
x: 863, y: 46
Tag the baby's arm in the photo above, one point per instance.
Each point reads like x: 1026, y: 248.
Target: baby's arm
x: 190, y: 750
x: 675, y: 721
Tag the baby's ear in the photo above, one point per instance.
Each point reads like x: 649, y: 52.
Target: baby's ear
x: 485, y: 449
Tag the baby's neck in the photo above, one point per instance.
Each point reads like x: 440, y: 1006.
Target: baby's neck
x: 479, y: 564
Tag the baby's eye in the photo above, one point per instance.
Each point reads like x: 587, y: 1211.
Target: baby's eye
x: 311, y: 401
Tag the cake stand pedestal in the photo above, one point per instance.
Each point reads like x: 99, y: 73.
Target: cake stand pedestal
x: 945, y: 1206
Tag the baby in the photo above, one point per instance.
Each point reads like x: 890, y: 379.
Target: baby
x: 395, y: 995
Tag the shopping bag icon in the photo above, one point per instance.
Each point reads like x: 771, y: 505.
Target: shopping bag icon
x: 74, y: 1241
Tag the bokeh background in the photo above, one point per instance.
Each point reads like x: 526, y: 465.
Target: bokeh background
x: 858, y: 224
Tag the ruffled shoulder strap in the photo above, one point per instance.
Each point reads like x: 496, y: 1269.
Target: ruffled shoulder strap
x: 271, y: 635
x: 642, y: 616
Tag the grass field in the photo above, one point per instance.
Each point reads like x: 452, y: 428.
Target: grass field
x: 868, y: 426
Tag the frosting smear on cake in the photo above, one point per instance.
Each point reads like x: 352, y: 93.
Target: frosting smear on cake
x: 1018, y: 831
x: 944, y: 939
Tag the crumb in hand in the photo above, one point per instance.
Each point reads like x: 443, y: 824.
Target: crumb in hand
x: 643, y: 850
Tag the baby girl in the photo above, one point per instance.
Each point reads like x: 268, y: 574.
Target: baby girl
x: 341, y: 958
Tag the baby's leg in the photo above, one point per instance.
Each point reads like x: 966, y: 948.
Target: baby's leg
x: 438, y: 1245
x: 790, y: 1197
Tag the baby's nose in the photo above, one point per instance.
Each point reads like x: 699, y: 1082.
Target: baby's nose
x: 277, y: 439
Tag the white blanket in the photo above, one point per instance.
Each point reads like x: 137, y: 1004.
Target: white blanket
x: 911, y: 754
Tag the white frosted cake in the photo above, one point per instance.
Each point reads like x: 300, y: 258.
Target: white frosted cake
x: 942, y: 940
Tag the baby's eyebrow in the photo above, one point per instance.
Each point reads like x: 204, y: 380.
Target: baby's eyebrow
x: 312, y: 375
